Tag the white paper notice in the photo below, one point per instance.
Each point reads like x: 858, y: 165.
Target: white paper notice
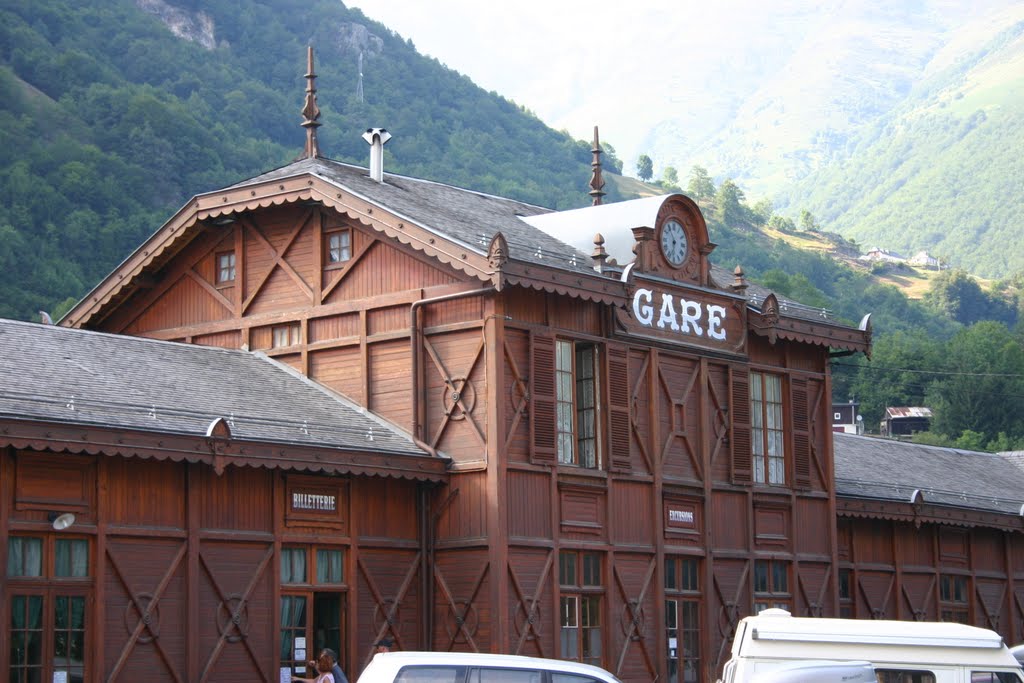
x: 300, y: 643
x: 60, y: 677
x: 286, y: 674
x: 300, y: 654
x: 671, y: 643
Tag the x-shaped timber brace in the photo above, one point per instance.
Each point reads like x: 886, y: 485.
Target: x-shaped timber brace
x: 459, y: 398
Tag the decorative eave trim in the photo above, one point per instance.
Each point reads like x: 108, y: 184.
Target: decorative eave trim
x: 596, y: 287
x: 217, y: 452
x: 922, y: 513
x: 301, y: 187
x: 770, y: 323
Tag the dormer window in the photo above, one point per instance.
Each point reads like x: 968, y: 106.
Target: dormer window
x: 226, y: 268
x: 338, y: 244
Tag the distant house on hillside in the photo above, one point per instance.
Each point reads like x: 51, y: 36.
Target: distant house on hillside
x: 878, y: 254
x: 904, y: 421
x: 923, y: 259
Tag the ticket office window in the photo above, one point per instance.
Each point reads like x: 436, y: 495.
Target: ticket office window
x: 48, y: 589
x: 313, y: 606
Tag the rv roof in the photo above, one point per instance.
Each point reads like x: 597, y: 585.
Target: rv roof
x: 814, y: 630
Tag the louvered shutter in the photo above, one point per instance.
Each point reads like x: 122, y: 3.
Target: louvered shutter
x: 617, y: 372
x: 739, y: 427
x: 542, y: 400
x: 801, y: 433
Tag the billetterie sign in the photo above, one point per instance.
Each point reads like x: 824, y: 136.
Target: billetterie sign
x: 669, y: 313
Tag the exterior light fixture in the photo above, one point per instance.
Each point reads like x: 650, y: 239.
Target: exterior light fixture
x: 61, y: 521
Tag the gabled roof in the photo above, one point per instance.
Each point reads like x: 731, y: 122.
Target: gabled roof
x: 887, y: 470
x: 98, y: 384
x: 491, y: 239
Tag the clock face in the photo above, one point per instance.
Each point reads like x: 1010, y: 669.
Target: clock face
x: 673, y: 242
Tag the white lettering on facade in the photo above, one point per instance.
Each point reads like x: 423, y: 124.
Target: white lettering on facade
x: 314, y: 501
x: 684, y: 516
x: 685, y: 316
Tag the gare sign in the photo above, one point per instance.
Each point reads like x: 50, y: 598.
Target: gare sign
x: 686, y: 317
x: 699, y: 317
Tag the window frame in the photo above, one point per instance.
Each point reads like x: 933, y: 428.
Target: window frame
x: 310, y: 590
x: 954, y: 600
x: 771, y: 595
x: 572, y: 397
x: 763, y: 433
x: 345, y: 251
x: 587, y: 600
x: 219, y: 269
x: 293, y: 332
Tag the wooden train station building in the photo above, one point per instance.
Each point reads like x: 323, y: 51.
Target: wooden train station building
x: 329, y: 405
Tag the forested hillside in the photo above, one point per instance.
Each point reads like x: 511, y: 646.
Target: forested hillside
x: 942, y: 171
x: 109, y: 122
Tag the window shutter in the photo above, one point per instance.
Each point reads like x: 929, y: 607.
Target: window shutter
x: 739, y: 411
x: 619, y: 413
x: 801, y: 433
x: 542, y: 399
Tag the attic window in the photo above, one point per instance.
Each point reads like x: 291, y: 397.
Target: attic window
x: 338, y: 245
x: 226, y: 268
x: 286, y: 335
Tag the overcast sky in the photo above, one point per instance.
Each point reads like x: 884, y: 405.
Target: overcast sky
x: 577, y: 63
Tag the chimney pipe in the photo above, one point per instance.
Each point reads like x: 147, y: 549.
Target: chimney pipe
x: 377, y: 137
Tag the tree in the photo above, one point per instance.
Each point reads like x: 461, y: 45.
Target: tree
x: 700, y: 185
x: 644, y: 168
x: 731, y: 209
x: 671, y: 176
x: 808, y: 222
x: 762, y: 212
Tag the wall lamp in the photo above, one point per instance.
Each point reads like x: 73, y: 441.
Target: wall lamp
x: 60, y: 521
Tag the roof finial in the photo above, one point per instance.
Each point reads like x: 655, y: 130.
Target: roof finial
x: 310, y: 111
x: 596, y: 181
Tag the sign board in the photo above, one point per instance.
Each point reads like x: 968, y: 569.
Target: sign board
x: 316, y: 501
x: 691, y: 316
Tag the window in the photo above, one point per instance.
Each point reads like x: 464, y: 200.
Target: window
x: 286, y: 335
x: 313, y: 602
x: 846, y: 610
x: 904, y: 676
x: 953, y: 599
x: 226, y: 267
x: 579, y: 574
x: 771, y: 585
x: 576, y: 403
x: 682, y: 618
x: 339, y: 246
x: 766, y: 429
x: 49, y: 590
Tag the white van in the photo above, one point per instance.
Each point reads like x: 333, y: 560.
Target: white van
x: 901, y: 651
x: 469, y: 667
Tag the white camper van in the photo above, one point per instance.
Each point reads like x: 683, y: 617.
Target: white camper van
x: 901, y: 651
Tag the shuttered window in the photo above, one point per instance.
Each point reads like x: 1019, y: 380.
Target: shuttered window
x: 767, y: 435
x: 576, y: 435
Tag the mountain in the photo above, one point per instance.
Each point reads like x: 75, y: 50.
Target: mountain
x: 113, y: 113
x: 895, y: 125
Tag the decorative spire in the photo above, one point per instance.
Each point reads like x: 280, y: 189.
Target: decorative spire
x: 596, y: 181
x: 739, y: 281
x: 310, y: 110
x: 600, y: 254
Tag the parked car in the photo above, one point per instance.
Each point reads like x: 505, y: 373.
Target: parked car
x: 466, y: 667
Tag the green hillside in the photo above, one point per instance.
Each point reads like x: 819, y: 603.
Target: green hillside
x: 109, y: 122
x: 942, y: 172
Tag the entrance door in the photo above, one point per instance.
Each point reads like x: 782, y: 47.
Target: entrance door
x: 312, y: 606
x: 305, y: 632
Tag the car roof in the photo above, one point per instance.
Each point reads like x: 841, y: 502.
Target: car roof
x: 406, y: 658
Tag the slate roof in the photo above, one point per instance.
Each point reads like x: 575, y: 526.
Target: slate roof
x: 467, y: 217
x: 889, y: 470
x: 472, y: 219
x: 70, y: 376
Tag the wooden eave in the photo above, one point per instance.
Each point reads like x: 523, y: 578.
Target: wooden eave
x: 596, y: 287
x: 817, y: 332
x: 177, y: 232
x: 924, y: 513
x: 217, y: 452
